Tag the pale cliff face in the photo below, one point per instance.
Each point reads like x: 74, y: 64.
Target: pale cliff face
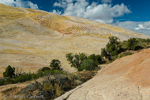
x: 32, y: 38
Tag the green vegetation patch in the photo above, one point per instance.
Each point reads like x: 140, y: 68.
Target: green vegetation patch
x: 125, y: 54
x: 116, y: 49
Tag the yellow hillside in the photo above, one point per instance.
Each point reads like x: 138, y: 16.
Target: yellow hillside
x: 32, y: 38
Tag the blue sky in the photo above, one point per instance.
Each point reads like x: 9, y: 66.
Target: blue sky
x: 130, y: 14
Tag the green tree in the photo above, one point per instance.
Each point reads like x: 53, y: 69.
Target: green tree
x: 88, y: 64
x: 70, y: 57
x: 76, y: 60
x: 1, y: 81
x: 99, y: 58
x: 132, y: 43
x: 95, y: 58
x: 112, y: 48
x: 45, y: 69
x: 148, y: 41
x: 9, y: 72
x: 113, y: 40
x: 113, y: 45
x: 113, y: 53
x: 55, y: 64
x: 104, y: 53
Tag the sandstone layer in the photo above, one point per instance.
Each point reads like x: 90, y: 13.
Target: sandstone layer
x: 30, y: 39
x: 127, y: 78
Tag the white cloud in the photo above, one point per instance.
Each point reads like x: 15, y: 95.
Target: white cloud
x: 140, y: 27
x: 145, y: 25
x: 61, y: 4
x: 20, y: 3
x: 57, y: 12
x: 33, y: 6
x: 77, y: 9
x: 106, y: 1
x: 105, y: 12
x: 127, y: 24
x: 98, y: 12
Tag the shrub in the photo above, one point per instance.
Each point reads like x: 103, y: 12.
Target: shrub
x: 76, y: 60
x: 104, y: 53
x: 85, y: 75
x: 138, y: 48
x: 22, y: 78
x: 81, y: 68
x: 58, y: 90
x: 93, y: 57
x: 65, y: 83
x: 96, y: 58
x: 99, y: 58
x: 30, y: 88
x: 2, y: 82
x: 148, y: 41
x: 114, y: 57
x: 40, y: 73
x: 48, y: 87
x: 55, y: 64
x: 132, y: 43
x: 113, y: 40
x: 8, y: 80
x: 9, y: 72
x: 113, y: 48
x: 51, y: 88
x: 45, y: 68
x: 52, y: 72
x: 25, y: 77
x: 125, y: 54
x: 113, y: 53
x: 88, y: 64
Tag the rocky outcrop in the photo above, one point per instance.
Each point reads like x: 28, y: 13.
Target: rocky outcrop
x: 127, y: 78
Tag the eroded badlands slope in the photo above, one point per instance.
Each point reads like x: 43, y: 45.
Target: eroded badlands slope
x: 127, y: 78
x: 30, y: 39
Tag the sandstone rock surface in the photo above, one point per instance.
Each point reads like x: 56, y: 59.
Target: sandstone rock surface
x: 127, y: 78
x: 30, y: 39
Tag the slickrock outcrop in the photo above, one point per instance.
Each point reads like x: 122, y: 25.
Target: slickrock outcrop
x: 127, y: 78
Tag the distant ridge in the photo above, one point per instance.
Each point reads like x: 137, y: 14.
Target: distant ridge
x: 61, y: 24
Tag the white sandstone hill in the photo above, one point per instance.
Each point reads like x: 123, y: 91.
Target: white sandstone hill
x: 30, y: 39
